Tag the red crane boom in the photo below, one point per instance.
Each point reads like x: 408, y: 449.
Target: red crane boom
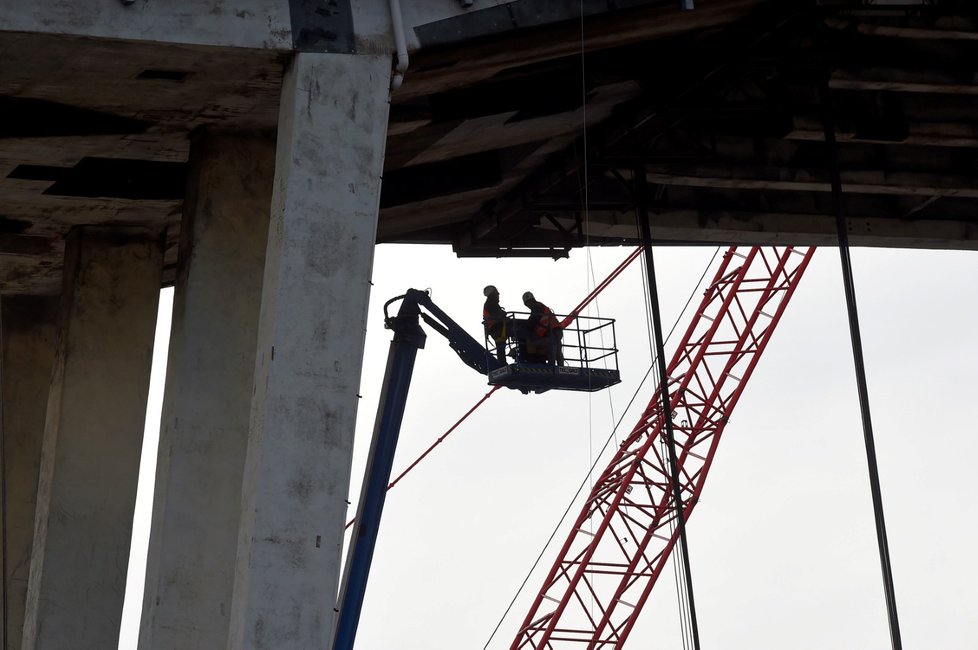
x: 623, y: 535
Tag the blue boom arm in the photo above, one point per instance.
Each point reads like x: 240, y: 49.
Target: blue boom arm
x: 470, y: 351
x: 408, y: 339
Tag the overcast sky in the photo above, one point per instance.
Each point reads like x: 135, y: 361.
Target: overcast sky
x: 782, y: 544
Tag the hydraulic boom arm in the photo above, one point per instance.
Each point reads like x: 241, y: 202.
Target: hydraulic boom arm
x: 471, y: 352
x: 408, y: 339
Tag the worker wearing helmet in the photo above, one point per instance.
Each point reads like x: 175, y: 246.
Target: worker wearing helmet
x: 495, y: 321
x: 542, y: 332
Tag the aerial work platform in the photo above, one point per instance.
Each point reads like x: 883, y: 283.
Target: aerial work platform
x: 583, y: 356
x: 564, y: 358
x: 537, y: 377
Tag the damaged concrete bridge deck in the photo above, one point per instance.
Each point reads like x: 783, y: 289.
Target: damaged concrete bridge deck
x: 252, y: 155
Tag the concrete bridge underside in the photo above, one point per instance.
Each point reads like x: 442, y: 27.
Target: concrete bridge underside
x: 253, y: 156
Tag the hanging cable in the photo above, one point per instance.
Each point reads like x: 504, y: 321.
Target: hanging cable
x: 857, y: 357
x: 587, y: 228
x: 681, y: 604
x: 443, y: 436
x: 601, y: 287
x: 677, y: 573
x: 436, y: 443
x: 587, y: 216
x: 3, y: 486
x: 648, y: 312
x: 641, y: 200
x: 597, y: 309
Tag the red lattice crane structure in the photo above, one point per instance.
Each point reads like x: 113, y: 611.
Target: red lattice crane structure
x: 622, y: 537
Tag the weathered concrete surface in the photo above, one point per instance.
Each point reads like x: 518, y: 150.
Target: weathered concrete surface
x: 310, y: 347
x: 92, y: 439
x: 204, y: 430
x: 244, y: 23
x: 269, y: 24
x: 29, y: 335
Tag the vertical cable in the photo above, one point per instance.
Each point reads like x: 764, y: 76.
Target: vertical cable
x: 3, y: 482
x: 857, y: 356
x: 677, y: 574
x: 597, y: 310
x: 642, y: 211
x: 587, y: 247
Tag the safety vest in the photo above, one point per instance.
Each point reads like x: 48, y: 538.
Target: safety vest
x: 546, y: 323
x: 492, y: 319
x: 489, y: 318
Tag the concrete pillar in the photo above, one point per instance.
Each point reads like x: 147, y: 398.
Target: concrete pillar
x: 210, y: 376
x: 29, y: 332
x: 332, y: 131
x: 92, y: 438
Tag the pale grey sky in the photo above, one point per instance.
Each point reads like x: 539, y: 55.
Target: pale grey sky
x: 782, y: 545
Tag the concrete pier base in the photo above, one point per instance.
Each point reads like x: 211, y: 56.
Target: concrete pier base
x: 92, y: 439
x: 29, y: 333
x: 204, y: 429
x: 332, y: 131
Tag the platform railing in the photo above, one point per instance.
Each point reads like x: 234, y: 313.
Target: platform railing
x: 587, y: 342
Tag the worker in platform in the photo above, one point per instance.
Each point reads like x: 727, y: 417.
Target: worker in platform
x: 495, y: 321
x: 541, y: 332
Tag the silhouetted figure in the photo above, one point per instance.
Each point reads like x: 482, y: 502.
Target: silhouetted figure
x: 541, y: 333
x: 495, y: 321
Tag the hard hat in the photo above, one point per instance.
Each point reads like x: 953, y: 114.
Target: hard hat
x: 489, y: 290
x: 527, y: 297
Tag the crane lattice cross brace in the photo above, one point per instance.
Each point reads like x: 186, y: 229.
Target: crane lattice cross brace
x: 626, y: 529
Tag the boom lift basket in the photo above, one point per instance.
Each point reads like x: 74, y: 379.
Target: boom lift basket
x: 583, y: 356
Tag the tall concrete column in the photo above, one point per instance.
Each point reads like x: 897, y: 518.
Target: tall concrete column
x: 332, y: 131
x: 29, y: 332
x: 92, y: 439
x: 210, y: 376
